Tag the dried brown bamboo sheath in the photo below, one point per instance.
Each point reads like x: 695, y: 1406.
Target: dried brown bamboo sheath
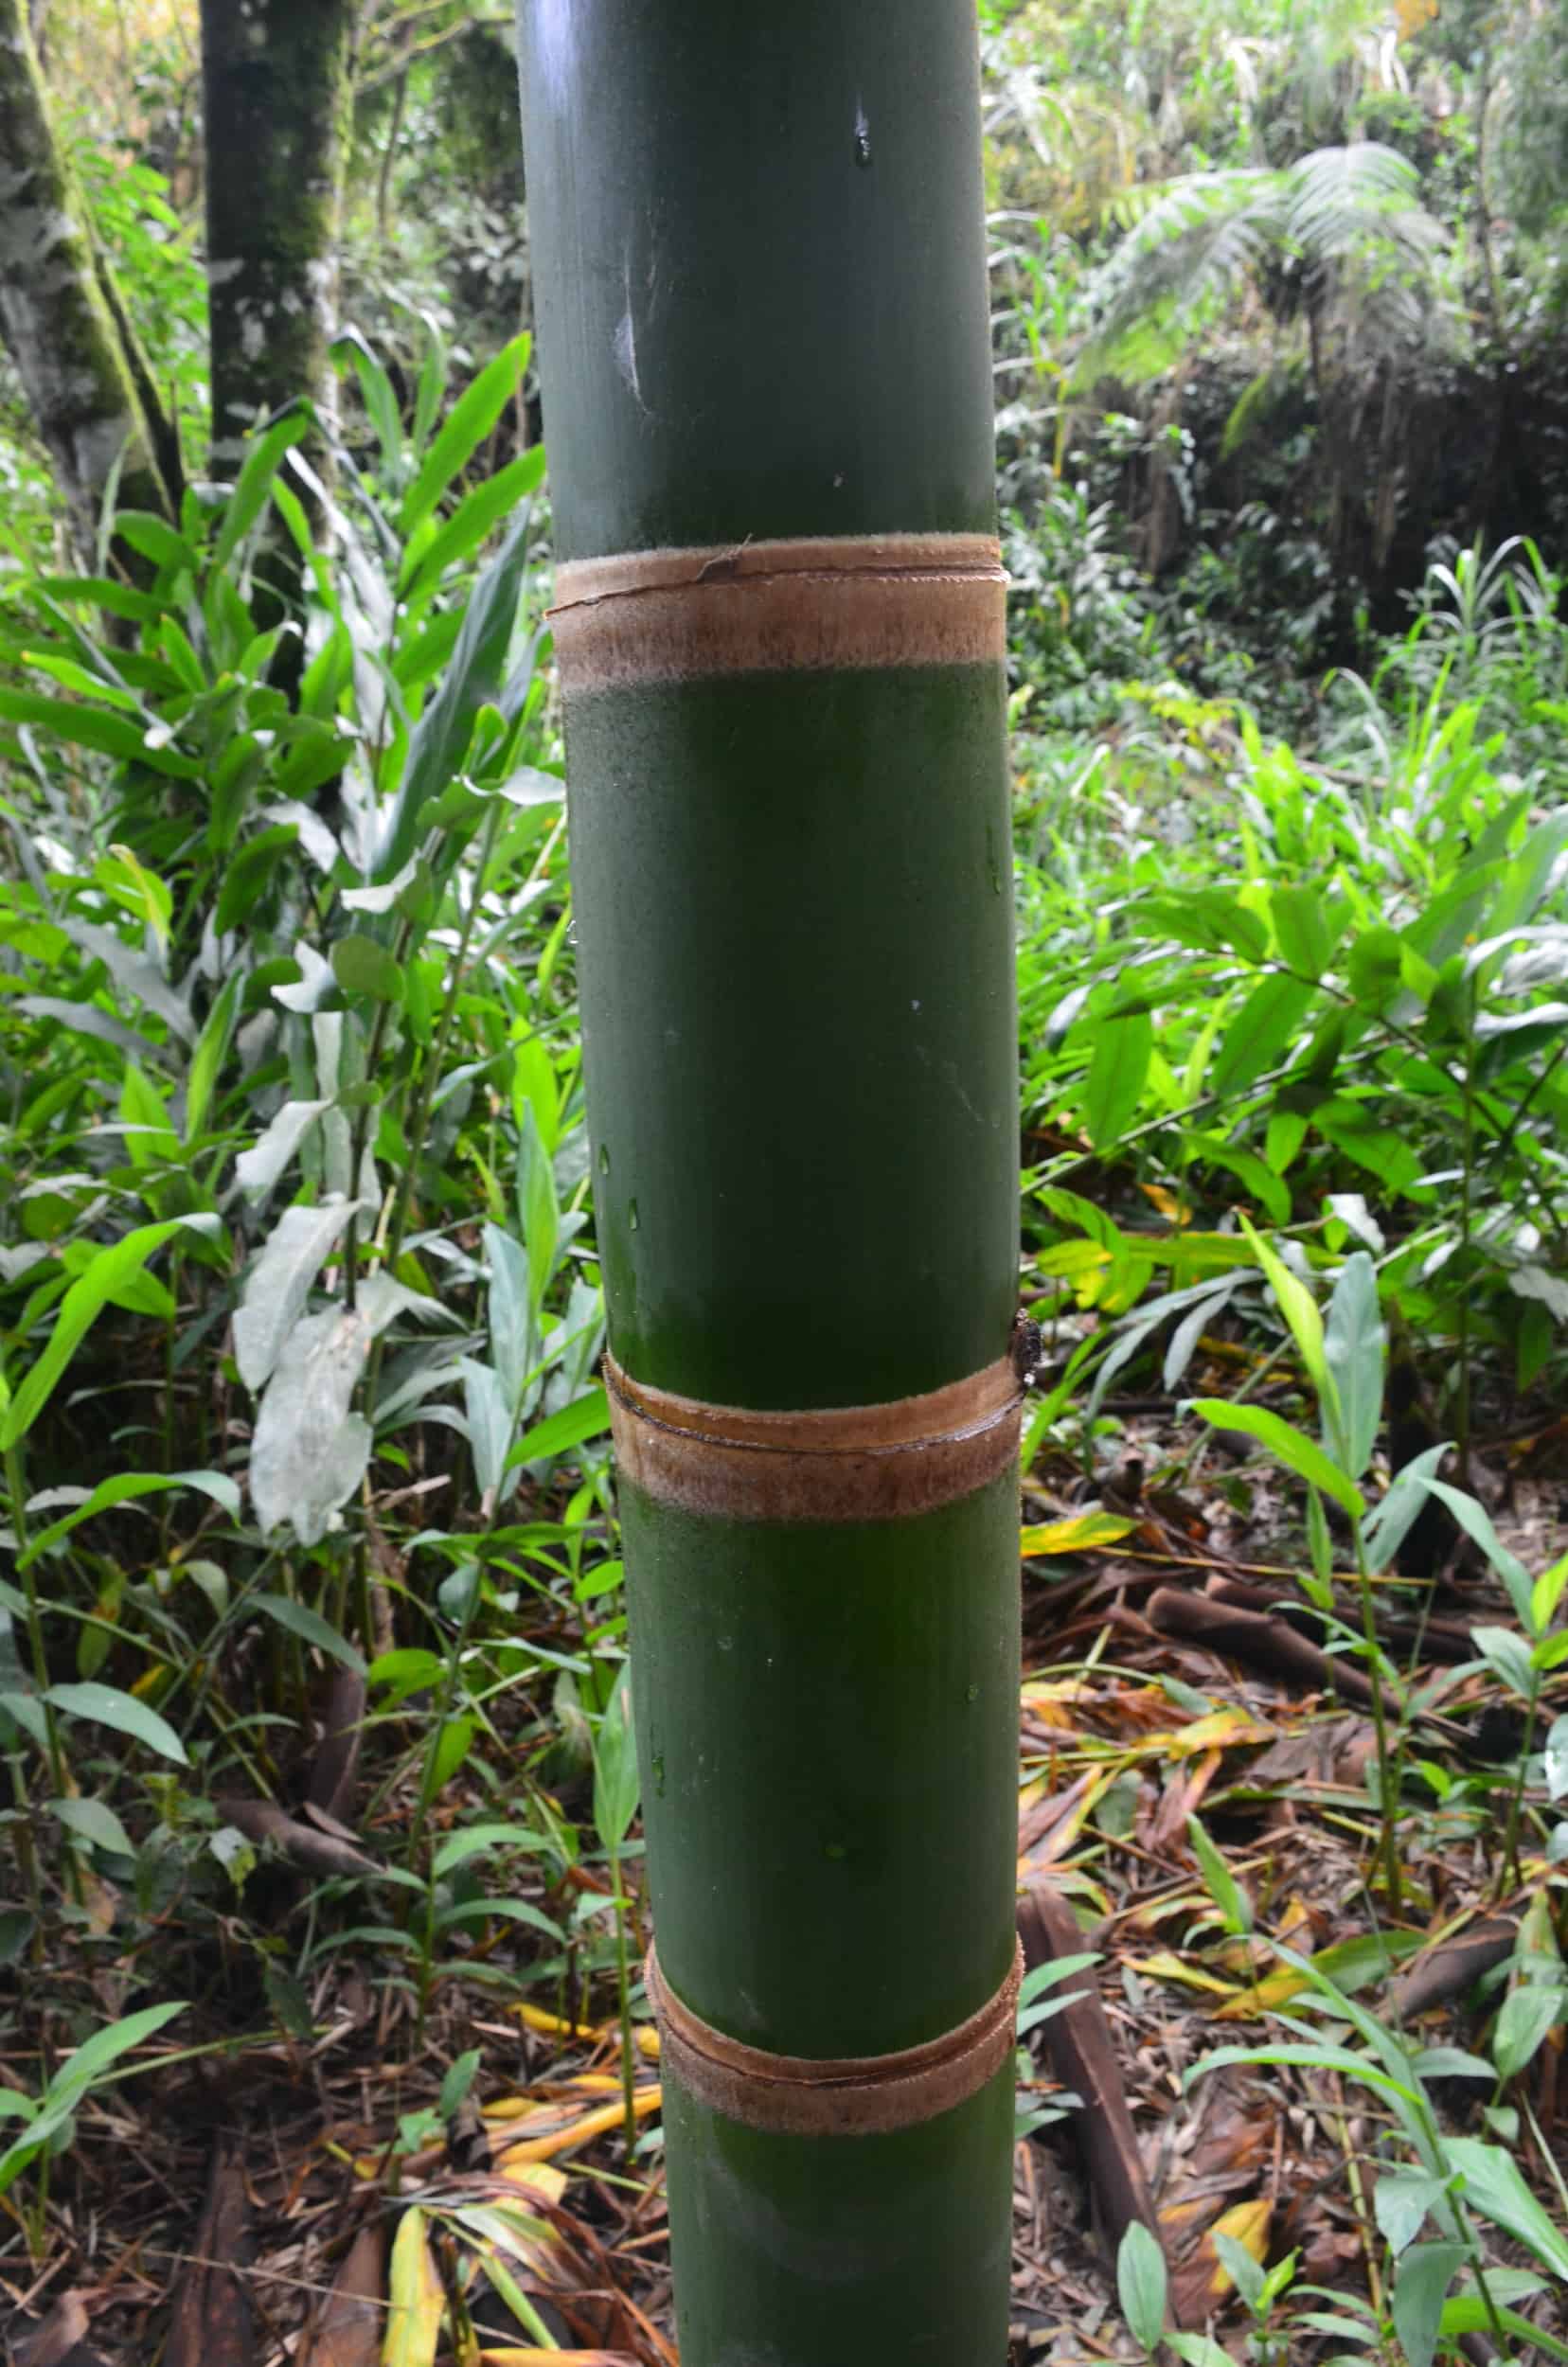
x: 761, y: 289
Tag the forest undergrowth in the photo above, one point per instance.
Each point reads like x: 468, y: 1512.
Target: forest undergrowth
x: 323, y: 2022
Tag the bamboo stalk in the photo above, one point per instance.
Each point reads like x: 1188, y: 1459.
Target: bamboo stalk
x: 759, y: 271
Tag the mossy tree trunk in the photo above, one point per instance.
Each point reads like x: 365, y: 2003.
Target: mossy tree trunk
x: 86, y: 388
x: 276, y: 94
x: 759, y: 263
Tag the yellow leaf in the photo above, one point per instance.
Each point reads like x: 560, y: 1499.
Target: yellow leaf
x: 1247, y: 2224
x: 1077, y: 1536
x: 1221, y: 1728
x: 1265, y: 1997
x: 1164, y: 1966
x: 645, y: 2037
x: 414, y: 2319
x: 576, y: 2132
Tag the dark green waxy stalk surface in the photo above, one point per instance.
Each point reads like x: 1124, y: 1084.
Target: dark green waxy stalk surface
x: 760, y: 278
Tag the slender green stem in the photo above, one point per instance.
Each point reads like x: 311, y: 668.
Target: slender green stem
x: 623, y: 1992
x: 16, y: 1488
x: 1509, y: 1866
x: 1387, y: 1773
x: 1462, y: 1399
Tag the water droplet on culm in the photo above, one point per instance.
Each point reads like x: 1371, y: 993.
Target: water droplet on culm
x: 632, y: 1218
x: 973, y: 1694
x: 836, y: 1850
x: 659, y: 1776
x: 604, y: 1158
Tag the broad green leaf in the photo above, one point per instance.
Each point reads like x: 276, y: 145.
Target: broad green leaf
x: 1476, y: 1523
x: 124, y: 1488
x: 474, y: 516
x: 488, y: 1411
x: 78, y: 1310
x: 587, y: 1416
x: 1141, y: 2283
x: 1302, y: 926
x: 1287, y: 1445
x: 473, y: 1841
x: 466, y: 424
x: 473, y: 680
x: 1267, y: 1021
x: 1393, y: 1518
x: 1354, y: 1351
x: 452, y: 1746
x: 280, y: 1284
x: 253, y: 484
x: 1299, y: 1309
x: 1117, y: 1067
x: 1401, y: 2200
x: 207, y: 1060
x: 1426, y: 2271
x: 615, y: 1784
x: 308, y: 1624
x: 154, y: 537
x: 309, y: 1453
x: 1468, y: 2313
x: 81, y: 726
x: 83, y: 2068
x: 1529, y: 2013
x: 511, y: 1329
x: 1507, y: 1656
x: 537, y: 1204
x: 106, y: 1705
x: 1495, y: 2187
x: 95, y: 1822
x: 258, y: 1169
x: 361, y: 965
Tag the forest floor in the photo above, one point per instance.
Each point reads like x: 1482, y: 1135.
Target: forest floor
x: 236, y: 2210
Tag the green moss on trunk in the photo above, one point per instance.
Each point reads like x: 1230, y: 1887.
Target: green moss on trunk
x: 276, y: 86
x: 79, y: 380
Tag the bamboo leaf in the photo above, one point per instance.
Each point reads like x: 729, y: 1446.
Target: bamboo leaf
x: 586, y: 1418
x: 106, y: 1705
x: 470, y: 419
x: 1287, y: 1445
x: 417, y: 2304
x: 80, y: 1308
x: 1117, y: 1068
x: 253, y: 484
x: 474, y: 679
x: 310, y: 1626
x: 1476, y: 1523
x: 125, y: 1487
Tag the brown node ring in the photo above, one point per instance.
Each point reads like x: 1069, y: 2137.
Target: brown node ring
x: 794, y: 2095
x: 843, y: 1463
x: 816, y: 604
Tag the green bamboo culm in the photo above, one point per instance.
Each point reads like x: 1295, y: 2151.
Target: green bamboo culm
x: 759, y: 276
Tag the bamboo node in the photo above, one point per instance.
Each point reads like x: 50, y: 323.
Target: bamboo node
x: 814, y: 605
x: 798, y: 2095
x: 880, y: 1462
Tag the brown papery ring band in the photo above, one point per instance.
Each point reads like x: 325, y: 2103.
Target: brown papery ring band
x: 796, y: 2095
x: 820, y: 604
x: 843, y: 1463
